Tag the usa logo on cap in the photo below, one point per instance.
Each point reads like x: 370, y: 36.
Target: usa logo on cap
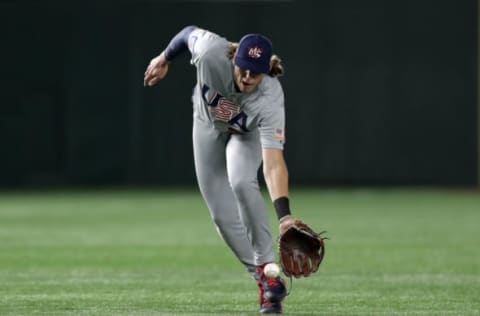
x: 255, y: 52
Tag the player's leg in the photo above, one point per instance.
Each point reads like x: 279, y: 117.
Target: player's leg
x: 244, y: 156
x: 210, y: 166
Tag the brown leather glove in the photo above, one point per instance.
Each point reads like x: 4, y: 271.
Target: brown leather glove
x: 301, y: 250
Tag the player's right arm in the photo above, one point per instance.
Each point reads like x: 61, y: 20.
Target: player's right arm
x: 158, y: 67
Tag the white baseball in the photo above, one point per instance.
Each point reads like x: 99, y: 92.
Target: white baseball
x: 271, y: 270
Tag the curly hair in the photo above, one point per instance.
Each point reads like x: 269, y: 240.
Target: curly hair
x: 276, y: 69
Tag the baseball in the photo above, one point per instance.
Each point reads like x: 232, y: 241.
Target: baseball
x: 271, y: 270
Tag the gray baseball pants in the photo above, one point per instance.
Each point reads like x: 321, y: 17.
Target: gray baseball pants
x: 226, y: 166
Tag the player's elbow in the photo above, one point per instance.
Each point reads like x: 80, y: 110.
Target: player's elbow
x: 274, y: 171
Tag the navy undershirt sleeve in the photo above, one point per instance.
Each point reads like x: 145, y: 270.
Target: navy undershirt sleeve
x: 179, y: 43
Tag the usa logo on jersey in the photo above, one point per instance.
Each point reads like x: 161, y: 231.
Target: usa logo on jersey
x: 224, y: 110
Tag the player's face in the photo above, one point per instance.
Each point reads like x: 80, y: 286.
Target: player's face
x: 246, y: 80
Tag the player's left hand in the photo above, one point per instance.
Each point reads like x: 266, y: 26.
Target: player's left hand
x: 301, y: 250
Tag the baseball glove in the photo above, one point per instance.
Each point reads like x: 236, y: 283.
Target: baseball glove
x: 301, y: 250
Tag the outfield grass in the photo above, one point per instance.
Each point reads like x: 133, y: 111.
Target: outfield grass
x: 120, y: 252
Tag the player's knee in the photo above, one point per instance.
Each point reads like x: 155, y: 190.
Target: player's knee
x: 242, y: 187
x: 220, y: 220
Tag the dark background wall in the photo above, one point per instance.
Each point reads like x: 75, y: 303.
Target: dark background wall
x: 377, y: 92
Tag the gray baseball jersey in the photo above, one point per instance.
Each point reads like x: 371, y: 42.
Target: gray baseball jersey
x: 216, y: 100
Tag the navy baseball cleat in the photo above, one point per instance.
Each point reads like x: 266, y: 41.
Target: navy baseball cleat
x: 270, y: 308
x: 272, y: 292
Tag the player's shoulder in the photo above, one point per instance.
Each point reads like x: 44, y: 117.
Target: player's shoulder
x: 203, y: 43
x: 271, y: 87
x: 268, y: 98
x: 199, y: 34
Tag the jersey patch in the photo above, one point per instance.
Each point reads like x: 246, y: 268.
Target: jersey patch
x: 279, y: 133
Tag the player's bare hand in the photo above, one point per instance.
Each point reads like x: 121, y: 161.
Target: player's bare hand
x: 156, y: 70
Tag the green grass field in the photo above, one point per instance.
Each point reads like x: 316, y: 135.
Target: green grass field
x: 156, y: 252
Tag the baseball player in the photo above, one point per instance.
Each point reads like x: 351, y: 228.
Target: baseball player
x: 238, y: 122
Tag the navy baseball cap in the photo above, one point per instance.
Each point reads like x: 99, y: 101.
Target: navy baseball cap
x: 253, y: 53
